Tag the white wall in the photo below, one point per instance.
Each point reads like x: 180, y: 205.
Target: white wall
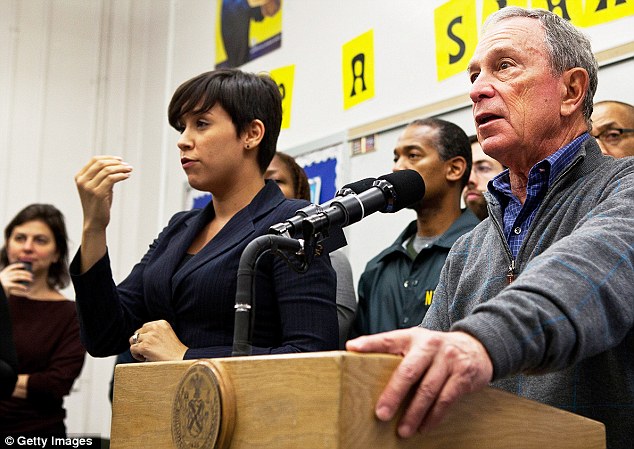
x: 78, y: 78
x: 86, y: 77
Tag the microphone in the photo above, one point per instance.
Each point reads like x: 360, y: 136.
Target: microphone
x: 389, y: 193
x: 28, y: 266
x: 294, y: 224
x: 243, y: 318
x: 352, y: 188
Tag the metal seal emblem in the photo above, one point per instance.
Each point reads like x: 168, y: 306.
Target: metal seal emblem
x: 197, y: 409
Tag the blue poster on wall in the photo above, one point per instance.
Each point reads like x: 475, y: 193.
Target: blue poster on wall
x: 321, y: 178
x: 200, y: 201
x: 322, y: 168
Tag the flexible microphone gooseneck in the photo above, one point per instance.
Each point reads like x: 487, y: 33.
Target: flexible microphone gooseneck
x: 388, y: 193
x: 245, y: 306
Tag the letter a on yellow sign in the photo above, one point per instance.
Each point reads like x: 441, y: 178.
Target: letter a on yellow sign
x: 456, y: 36
x: 284, y: 77
x: 358, y: 70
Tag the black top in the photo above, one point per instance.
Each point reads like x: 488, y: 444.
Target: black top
x: 8, y: 359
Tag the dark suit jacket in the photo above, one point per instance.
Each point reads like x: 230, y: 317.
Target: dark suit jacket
x: 293, y: 313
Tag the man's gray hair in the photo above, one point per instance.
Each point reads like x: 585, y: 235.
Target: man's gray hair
x: 568, y: 47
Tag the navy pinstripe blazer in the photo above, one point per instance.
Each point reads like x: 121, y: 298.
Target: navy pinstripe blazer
x: 294, y: 312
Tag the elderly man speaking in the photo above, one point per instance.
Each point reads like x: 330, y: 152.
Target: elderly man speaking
x: 537, y: 300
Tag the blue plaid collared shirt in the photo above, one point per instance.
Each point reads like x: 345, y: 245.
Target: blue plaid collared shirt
x: 517, y: 216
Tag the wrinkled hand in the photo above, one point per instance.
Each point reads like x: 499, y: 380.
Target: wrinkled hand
x: 157, y: 342
x: 95, y: 183
x: 11, y: 276
x: 440, y: 366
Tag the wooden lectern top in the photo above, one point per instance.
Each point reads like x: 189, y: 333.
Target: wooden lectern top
x: 315, y: 400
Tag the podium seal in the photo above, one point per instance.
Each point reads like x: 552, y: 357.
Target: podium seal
x: 202, y: 409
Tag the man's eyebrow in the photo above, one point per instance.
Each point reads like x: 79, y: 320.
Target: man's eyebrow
x: 408, y: 147
x: 610, y: 124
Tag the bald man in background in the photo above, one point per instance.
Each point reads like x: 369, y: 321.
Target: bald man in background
x: 613, y: 127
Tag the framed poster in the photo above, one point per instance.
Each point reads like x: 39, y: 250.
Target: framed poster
x: 246, y: 30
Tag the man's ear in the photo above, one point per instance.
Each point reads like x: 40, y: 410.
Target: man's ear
x: 253, y: 134
x: 455, y: 168
x: 575, y: 83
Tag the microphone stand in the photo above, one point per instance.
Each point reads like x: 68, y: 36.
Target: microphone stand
x: 393, y: 192
x: 245, y: 289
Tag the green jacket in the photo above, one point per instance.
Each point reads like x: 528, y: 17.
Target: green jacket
x: 396, y: 291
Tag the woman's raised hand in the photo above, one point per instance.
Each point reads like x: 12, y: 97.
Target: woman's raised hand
x: 95, y: 184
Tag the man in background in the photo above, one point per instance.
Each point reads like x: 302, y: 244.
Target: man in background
x: 397, y: 286
x: 613, y: 127
x: 484, y: 169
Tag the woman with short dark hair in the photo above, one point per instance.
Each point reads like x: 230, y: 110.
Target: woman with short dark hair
x: 178, y: 301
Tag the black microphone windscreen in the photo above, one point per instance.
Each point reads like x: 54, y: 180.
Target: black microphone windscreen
x: 408, y: 187
x: 359, y: 186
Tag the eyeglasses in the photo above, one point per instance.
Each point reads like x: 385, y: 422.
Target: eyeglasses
x: 612, y: 136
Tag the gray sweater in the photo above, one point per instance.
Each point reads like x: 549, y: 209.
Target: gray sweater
x: 562, y: 332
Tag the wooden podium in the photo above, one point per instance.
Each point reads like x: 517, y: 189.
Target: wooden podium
x: 318, y: 400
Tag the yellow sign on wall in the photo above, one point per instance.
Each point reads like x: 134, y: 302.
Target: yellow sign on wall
x: 491, y: 6
x: 602, y: 11
x: 285, y: 77
x: 358, y: 70
x: 571, y: 10
x: 457, y: 32
x: 456, y: 36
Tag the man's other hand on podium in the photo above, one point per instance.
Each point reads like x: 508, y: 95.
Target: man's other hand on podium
x: 437, y: 367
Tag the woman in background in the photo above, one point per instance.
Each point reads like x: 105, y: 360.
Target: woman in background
x: 178, y: 301
x: 34, y: 267
x: 289, y: 176
x: 293, y: 182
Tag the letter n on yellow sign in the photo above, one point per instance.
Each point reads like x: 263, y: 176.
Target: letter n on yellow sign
x: 571, y: 10
x: 358, y: 70
x: 284, y: 77
x: 456, y: 36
